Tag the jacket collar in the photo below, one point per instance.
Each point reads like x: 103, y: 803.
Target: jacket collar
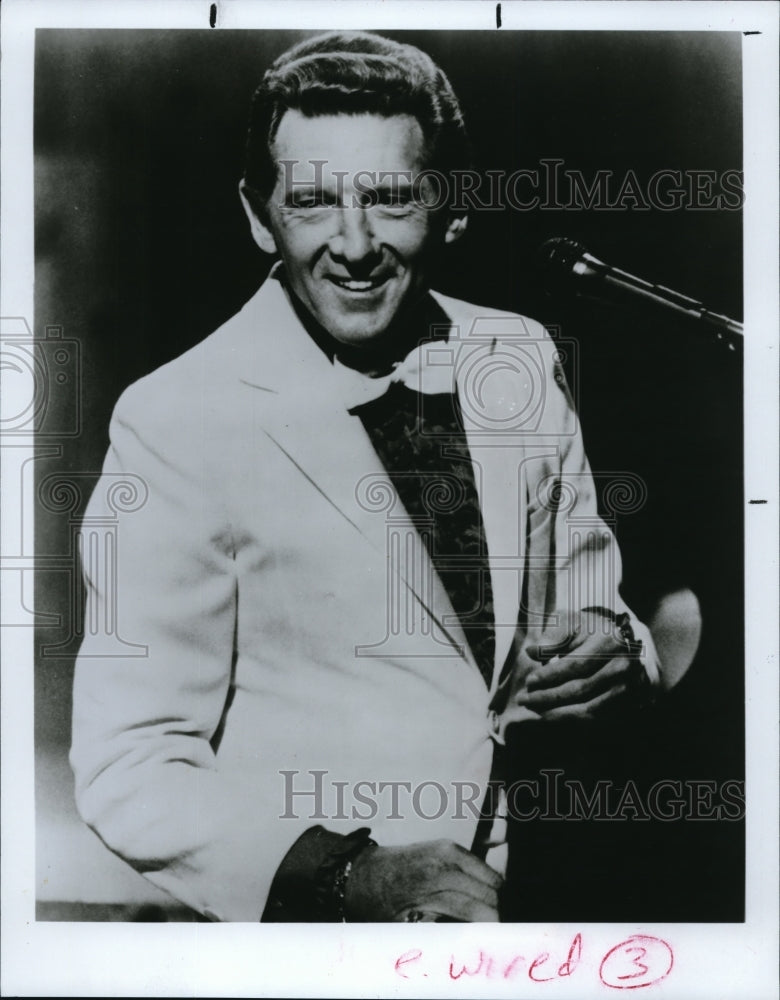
x: 284, y: 357
x: 302, y: 409
x: 303, y: 412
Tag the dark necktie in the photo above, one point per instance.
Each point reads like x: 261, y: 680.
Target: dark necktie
x: 421, y: 443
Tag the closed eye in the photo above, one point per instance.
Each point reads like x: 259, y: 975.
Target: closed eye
x: 311, y: 199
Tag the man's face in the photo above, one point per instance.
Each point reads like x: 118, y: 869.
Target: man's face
x: 355, y: 244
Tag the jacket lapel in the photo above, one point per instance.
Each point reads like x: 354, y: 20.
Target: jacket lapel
x: 300, y: 409
x: 486, y: 386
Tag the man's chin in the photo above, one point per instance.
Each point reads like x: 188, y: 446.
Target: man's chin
x: 361, y: 338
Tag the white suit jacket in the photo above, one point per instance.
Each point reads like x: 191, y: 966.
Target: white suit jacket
x: 292, y: 619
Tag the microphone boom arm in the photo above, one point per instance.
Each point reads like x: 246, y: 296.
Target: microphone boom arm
x: 592, y: 278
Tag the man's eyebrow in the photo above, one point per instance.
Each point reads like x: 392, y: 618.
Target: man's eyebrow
x: 393, y: 178
x: 389, y: 183
x: 395, y: 183
x: 307, y: 190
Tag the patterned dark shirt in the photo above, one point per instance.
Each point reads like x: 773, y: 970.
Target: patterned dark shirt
x: 422, y: 444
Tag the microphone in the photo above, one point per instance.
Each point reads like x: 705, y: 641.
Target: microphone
x: 566, y: 266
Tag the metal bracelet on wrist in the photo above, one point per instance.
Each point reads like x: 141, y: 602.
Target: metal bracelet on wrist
x: 634, y: 647
x: 333, y: 875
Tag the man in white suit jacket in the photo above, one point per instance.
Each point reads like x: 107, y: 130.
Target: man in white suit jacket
x: 306, y: 673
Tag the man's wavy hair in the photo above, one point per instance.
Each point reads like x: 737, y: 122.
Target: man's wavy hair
x: 353, y: 73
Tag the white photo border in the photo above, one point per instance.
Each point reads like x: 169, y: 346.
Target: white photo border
x: 729, y: 960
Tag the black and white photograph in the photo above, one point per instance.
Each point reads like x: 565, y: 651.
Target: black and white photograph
x: 390, y: 498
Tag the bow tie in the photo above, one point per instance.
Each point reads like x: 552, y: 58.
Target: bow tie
x: 427, y: 369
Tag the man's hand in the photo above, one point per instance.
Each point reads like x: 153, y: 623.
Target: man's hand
x: 436, y: 880
x: 581, y: 671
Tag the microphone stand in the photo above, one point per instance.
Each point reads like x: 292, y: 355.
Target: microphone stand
x: 571, y: 268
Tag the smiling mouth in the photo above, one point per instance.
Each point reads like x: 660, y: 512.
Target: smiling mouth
x: 359, y: 287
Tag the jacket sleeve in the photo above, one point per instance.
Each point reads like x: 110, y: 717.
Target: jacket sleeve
x: 146, y: 727
x: 574, y: 558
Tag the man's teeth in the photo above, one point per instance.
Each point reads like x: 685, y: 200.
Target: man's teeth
x: 357, y: 286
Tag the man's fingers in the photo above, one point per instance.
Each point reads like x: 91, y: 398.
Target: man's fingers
x: 557, y: 642
x: 452, y: 880
x: 544, y: 651
x: 578, y: 691
x: 456, y: 905
x: 458, y: 881
x: 590, y: 655
x: 472, y: 866
x: 588, y: 710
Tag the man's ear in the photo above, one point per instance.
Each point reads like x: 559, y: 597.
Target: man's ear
x: 262, y: 236
x: 456, y: 227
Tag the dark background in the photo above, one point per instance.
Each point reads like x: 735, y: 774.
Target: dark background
x: 142, y: 250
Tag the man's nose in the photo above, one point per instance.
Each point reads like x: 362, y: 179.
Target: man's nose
x: 355, y: 241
